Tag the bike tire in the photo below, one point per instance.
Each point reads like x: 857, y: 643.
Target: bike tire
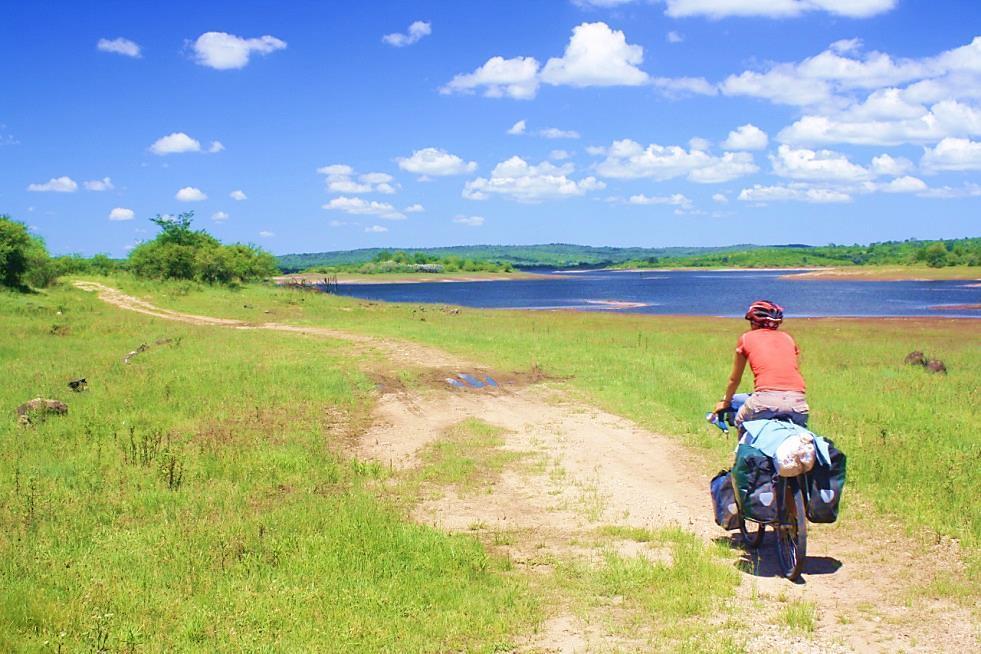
x: 791, y: 531
x: 751, y: 538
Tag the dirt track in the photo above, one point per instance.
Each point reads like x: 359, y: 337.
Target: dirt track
x: 615, y: 473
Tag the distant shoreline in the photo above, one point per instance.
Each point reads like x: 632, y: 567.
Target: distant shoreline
x: 314, y: 279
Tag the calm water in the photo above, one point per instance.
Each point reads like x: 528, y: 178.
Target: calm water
x: 710, y: 293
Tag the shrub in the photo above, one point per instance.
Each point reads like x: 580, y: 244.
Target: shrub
x: 24, y: 260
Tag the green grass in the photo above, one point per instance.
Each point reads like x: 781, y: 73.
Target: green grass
x: 198, y: 499
x: 910, y: 436
x: 467, y: 456
x: 800, y: 616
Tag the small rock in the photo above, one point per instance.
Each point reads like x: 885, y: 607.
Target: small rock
x: 936, y: 366
x: 142, y: 348
x: 915, y: 358
x: 40, y: 407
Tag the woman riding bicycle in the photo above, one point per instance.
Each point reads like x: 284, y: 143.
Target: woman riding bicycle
x: 778, y: 387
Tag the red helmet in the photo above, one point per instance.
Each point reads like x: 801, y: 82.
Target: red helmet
x: 765, y: 314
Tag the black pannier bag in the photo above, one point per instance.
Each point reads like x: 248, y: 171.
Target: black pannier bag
x: 824, y: 486
x: 724, y: 501
x: 755, y: 476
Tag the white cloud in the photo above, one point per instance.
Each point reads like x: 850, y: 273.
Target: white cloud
x: 469, y: 221
x: 414, y: 208
x: 885, y: 164
x: 376, y: 229
x: 416, y: 31
x: 627, y: 159
x: 796, y: 192
x: 559, y: 155
x: 175, y: 143
x: 516, y: 78
x: 104, y: 184
x: 719, y: 198
x: 190, y: 194
x: 219, y: 216
x: 519, y: 180
x: 596, y: 56
x: 905, y: 184
x: 266, y: 234
x: 676, y: 200
x: 776, y: 8
x: 238, y: 195
x: 55, y: 185
x: 781, y: 85
x: 556, y: 133
x: 224, y: 51
x: 375, y: 178
x: 698, y: 143
x: 121, y: 213
x: 216, y: 146
x: 952, y: 154
x: 679, y: 87
x: 674, y: 37
x: 436, y: 162
x: 120, y: 46
x: 518, y: 128
x: 342, y: 170
x: 746, y: 137
x: 969, y: 190
x: 362, y: 207
x: 338, y: 184
x: 824, y: 165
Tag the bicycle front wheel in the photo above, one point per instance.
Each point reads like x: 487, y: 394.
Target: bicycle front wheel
x: 791, y: 531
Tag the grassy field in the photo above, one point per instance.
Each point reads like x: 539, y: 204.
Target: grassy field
x: 199, y: 498
x: 203, y: 497
x: 912, y: 444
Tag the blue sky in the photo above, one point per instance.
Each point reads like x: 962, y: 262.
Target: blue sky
x: 320, y: 126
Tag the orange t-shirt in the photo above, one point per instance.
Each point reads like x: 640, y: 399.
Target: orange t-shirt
x: 772, y: 356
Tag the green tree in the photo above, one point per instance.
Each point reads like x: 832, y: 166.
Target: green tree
x: 24, y: 260
x: 936, y: 255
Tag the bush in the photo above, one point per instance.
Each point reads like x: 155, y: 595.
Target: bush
x: 179, y: 252
x: 24, y: 260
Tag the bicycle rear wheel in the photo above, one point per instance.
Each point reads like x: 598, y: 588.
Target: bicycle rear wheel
x: 791, y: 531
x: 752, y: 532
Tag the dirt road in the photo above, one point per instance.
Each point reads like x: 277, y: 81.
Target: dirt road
x: 861, y: 578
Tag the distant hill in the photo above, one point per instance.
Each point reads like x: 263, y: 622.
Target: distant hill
x: 557, y: 255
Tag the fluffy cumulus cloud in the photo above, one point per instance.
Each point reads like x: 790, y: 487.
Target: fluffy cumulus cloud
x: 627, y: 159
x: 55, y: 185
x: 905, y: 184
x: 224, y: 51
x: 121, y: 213
x: 104, y: 184
x: 674, y: 37
x: 416, y: 31
x: 952, y: 154
x: 469, y: 221
x: 746, y: 137
x: 119, y: 46
x: 776, y: 8
x: 518, y: 128
x: 435, y: 162
x: 796, y: 192
x: 341, y: 179
x: 219, y: 216
x: 266, y: 234
x: 238, y: 195
x: 821, y: 165
x: 499, y: 77
x: 175, y: 143
x: 376, y: 229
x: 595, y: 56
x: 414, y: 208
x: 519, y: 180
x: 886, y: 164
x: 720, y: 198
x: 190, y: 194
x: 361, y: 207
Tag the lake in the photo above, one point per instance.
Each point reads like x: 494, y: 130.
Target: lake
x: 708, y: 293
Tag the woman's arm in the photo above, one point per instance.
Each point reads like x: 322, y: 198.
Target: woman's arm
x: 738, y: 366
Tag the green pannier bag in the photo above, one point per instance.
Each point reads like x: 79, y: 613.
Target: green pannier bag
x: 754, y: 476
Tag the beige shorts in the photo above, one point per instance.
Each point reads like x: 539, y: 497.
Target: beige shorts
x: 768, y: 404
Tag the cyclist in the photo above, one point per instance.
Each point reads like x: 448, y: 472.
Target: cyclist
x: 778, y: 387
